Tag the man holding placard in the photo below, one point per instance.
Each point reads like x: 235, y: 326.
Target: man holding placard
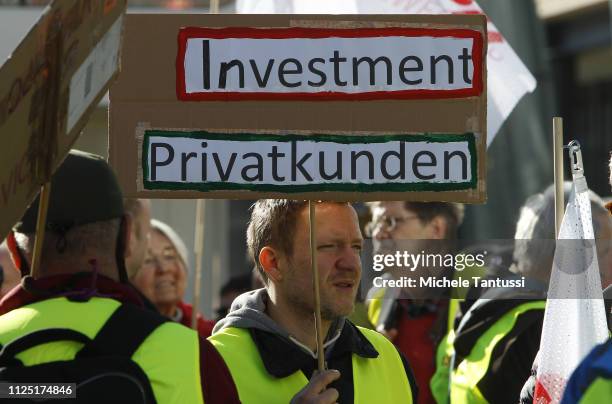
x: 267, y: 340
x: 307, y: 108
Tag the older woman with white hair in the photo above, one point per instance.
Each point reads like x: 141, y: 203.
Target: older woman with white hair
x: 163, y: 276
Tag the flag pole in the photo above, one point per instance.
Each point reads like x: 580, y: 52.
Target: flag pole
x: 558, y: 172
x: 315, y: 284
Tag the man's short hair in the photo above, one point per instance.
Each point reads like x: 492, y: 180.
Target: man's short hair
x: 98, y: 239
x: 272, y: 223
x: 426, y: 211
x: 452, y: 212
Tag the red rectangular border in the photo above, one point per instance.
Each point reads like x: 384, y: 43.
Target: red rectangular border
x: 284, y: 33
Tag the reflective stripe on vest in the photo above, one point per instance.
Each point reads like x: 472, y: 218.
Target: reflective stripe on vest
x: 375, y: 380
x: 465, y: 378
x: 169, y: 343
x: 439, y: 383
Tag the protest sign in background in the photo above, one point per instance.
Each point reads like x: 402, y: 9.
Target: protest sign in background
x: 48, y: 87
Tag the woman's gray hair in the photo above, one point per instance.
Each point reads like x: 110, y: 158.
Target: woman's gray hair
x: 175, y: 240
x: 534, y: 239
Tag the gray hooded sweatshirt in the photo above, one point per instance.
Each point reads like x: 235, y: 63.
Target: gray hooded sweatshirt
x: 248, y: 311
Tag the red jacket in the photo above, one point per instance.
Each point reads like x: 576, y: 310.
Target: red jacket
x: 205, y: 326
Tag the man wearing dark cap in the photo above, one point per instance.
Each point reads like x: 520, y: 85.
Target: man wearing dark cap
x: 81, y: 293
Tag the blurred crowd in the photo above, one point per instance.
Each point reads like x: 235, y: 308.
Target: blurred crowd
x: 464, y: 346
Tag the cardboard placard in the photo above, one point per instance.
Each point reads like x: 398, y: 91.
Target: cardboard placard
x: 48, y: 88
x: 351, y: 108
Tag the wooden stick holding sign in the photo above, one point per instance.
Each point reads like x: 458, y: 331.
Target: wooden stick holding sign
x: 47, y: 136
x: 45, y: 191
x: 558, y: 170
x: 315, y: 286
x: 198, y: 247
x: 214, y: 7
x: 199, y: 254
x: 199, y: 235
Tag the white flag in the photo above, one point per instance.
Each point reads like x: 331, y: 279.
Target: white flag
x: 508, y: 78
x: 575, y: 317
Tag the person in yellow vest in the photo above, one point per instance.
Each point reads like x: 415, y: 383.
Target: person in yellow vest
x: 268, y: 340
x: 498, y: 338
x: 79, y: 320
x: 416, y: 319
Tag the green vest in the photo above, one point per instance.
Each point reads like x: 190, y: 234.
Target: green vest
x: 599, y: 391
x: 375, y: 380
x: 439, y: 383
x: 444, y: 353
x: 374, y: 307
x: 467, y: 375
x: 170, y: 343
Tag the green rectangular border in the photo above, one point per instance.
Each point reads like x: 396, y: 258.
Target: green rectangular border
x: 289, y: 189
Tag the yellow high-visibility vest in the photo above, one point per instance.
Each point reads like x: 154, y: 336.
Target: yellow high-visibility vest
x: 468, y: 373
x: 170, y: 343
x: 375, y: 380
